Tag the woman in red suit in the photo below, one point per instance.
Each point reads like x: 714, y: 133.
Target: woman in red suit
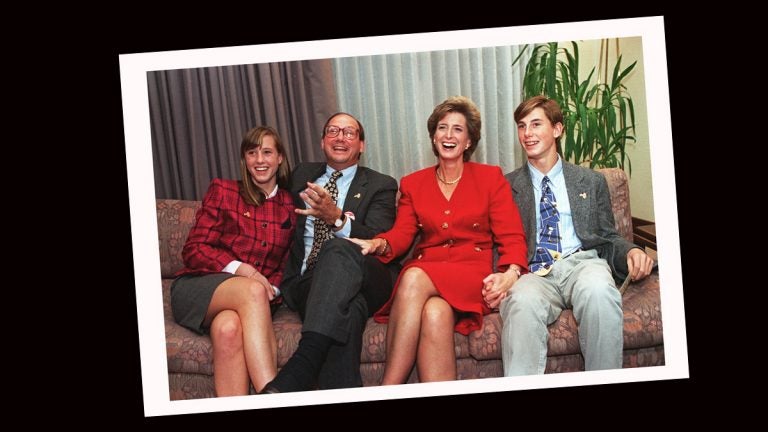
x: 460, y: 209
x: 233, y: 261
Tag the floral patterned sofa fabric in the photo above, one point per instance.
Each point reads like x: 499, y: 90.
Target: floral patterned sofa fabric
x: 190, y: 362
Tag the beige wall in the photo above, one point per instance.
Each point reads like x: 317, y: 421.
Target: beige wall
x: 631, y: 49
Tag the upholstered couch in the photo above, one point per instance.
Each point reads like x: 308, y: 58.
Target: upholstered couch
x: 190, y: 367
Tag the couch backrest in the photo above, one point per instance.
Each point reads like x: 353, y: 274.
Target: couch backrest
x: 618, y: 185
x: 176, y: 217
x: 174, y: 220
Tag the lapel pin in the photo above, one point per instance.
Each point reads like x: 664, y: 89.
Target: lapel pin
x: 247, y: 214
x: 357, y: 195
x: 583, y: 195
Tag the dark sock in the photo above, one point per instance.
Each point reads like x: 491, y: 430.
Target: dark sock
x: 302, y: 369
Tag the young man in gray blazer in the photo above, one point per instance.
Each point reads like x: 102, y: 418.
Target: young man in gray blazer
x: 328, y: 281
x: 574, y: 252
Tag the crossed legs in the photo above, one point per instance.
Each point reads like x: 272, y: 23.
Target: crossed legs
x: 244, y: 346
x: 334, y: 300
x: 420, y: 330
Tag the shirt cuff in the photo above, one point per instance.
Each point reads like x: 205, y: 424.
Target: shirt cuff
x: 232, y: 267
x: 345, y: 230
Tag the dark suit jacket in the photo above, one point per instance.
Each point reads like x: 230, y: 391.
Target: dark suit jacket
x: 591, y: 210
x: 371, y: 198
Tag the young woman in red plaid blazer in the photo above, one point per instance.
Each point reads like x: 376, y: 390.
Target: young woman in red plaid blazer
x: 233, y: 265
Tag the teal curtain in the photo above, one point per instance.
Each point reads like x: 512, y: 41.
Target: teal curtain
x: 393, y: 95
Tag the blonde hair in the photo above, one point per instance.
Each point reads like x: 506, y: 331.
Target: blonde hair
x: 464, y: 106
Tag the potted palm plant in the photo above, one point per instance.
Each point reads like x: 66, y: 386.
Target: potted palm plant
x: 599, y: 117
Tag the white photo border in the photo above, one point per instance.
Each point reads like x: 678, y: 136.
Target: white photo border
x: 133, y: 74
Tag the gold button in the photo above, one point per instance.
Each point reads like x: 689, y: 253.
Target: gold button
x: 447, y: 212
x: 477, y: 249
x: 445, y: 225
x: 475, y: 225
x: 264, y: 225
x: 264, y: 243
x: 420, y: 255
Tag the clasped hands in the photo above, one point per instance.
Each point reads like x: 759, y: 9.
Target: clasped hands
x: 496, y: 286
x: 249, y: 271
x: 321, y: 206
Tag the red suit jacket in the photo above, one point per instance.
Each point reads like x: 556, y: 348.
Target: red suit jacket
x: 227, y: 228
x: 457, y: 236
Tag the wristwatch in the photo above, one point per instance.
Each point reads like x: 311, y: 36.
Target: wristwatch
x: 340, y: 221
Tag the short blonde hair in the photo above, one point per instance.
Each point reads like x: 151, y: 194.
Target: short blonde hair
x: 464, y: 106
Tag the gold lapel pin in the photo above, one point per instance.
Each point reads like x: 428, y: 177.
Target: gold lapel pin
x: 583, y: 195
x: 357, y: 195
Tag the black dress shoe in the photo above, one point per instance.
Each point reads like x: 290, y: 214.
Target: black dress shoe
x: 269, y: 389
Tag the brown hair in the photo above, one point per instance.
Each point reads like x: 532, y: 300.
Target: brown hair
x: 253, y: 139
x: 462, y: 105
x: 549, y: 106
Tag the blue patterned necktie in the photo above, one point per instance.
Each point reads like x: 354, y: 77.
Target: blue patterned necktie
x: 323, y: 232
x: 548, y: 249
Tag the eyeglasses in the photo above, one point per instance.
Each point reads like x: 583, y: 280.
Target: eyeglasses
x: 333, y: 131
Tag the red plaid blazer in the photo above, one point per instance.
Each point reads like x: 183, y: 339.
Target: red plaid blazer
x: 227, y: 228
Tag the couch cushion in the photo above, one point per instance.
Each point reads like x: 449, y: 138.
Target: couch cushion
x: 642, y: 314
x: 642, y: 325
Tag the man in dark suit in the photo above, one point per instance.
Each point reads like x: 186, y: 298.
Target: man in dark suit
x: 327, y: 280
x: 574, y: 252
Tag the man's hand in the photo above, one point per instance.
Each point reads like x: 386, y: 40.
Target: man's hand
x: 639, y: 264
x: 496, y: 286
x: 321, y: 206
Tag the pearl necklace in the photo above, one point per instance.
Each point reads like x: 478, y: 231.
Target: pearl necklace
x: 444, y: 181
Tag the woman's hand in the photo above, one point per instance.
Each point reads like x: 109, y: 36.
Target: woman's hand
x: 376, y: 246
x: 249, y: 271
x: 497, y: 285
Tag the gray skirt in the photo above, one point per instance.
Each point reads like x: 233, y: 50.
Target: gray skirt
x: 190, y: 297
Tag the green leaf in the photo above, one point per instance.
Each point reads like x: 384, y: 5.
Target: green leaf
x: 597, y: 118
x: 522, y: 51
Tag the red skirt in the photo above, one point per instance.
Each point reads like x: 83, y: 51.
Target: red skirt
x: 458, y: 280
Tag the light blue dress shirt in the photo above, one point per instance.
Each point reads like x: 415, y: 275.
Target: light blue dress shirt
x: 568, y: 239
x: 342, y: 185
